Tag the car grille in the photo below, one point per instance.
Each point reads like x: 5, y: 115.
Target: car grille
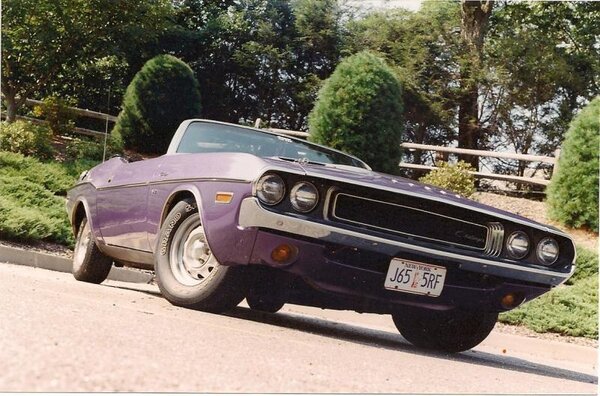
x: 411, y: 222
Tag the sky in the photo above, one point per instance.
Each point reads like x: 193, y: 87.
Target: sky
x: 412, y: 5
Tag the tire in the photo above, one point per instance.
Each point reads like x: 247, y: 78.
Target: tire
x: 264, y: 303
x: 89, y: 263
x: 268, y: 290
x: 187, y: 273
x: 448, y: 331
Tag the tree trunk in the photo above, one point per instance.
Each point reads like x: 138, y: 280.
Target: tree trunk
x: 474, y: 18
x: 11, y: 108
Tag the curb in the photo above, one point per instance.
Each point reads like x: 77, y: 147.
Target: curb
x: 47, y: 261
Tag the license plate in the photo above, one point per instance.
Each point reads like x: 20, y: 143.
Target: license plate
x: 417, y: 278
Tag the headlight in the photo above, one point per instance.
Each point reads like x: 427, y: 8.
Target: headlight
x: 270, y: 189
x: 517, y: 244
x: 547, y: 251
x: 304, y: 197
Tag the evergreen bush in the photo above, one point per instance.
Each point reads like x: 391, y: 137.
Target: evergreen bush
x: 161, y: 95
x: 452, y: 177
x: 359, y: 111
x: 573, y: 191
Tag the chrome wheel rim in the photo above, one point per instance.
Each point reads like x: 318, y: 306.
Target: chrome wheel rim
x: 190, y: 258
x: 81, y: 247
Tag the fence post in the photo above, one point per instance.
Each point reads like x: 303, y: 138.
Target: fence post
x: 556, y: 158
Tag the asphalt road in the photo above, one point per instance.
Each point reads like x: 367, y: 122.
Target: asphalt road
x: 57, y: 334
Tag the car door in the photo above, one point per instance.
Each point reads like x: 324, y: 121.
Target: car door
x: 122, y: 205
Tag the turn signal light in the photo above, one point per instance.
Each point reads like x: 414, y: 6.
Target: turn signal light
x: 512, y: 300
x: 223, y: 197
x: 283, y: 253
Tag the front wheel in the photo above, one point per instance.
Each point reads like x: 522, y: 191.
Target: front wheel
x: 89, y: 263
x: 187, y: 272
x: 448, y: 331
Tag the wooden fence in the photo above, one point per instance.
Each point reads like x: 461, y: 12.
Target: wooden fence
x: 454, y: 150
x: 77, y: 111
x: 408, y: 146
x: 481, y: 153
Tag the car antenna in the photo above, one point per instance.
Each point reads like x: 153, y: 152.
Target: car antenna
x: 106, y: 127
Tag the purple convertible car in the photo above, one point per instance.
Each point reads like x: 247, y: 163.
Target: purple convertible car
x: 231, y: 212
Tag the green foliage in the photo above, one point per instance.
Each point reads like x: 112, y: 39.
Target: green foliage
x: 30, y: 205
x: 46, y: 44
x: 259, y: 58
x: 571, y: 309
x: 567, y: 310
x: 425, y: 51
x: 540, y: 74
x: 26, y: 138
x: 30, y: 212
x: 586, y: 265
x: 93, y: 149
x: 57, y: 113
x: 54, y: 177
x: 573, y: 191
x: 359, y: 111
x: 452, y: 177
x: 162, y: 94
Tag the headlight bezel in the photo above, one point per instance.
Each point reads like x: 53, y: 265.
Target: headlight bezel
x: 539, y: 248
x: 294, y: 200
x: 510, y: 248
x: 260, y: 191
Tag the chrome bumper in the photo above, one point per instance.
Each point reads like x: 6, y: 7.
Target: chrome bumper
x: 253, y: 215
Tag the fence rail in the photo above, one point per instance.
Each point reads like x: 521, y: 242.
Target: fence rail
x: 481, y: 153
x: 409, y: 146
x: 455, y: 150
x: 76, y: 110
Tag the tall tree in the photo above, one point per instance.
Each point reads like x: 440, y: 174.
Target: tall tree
x: 474, y: 20
x: 541, y: 71
x: 424, y: 48
x: 42, y: 39
x: 259, y: 58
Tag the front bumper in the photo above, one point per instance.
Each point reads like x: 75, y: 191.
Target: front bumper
x: 253, y: 215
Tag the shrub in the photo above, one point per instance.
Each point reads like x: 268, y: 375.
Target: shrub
x: 586, y: 265
x: 452, y: 177
x: 26, y: 138
x: 30, y: 208
x: 568, y: 310
x: 573, y: 191
x: 162, y: 94
x: 28, y: 211
x: 93, y: 149
x: 359, y: 111
x: 54, y: 177
x: 57, y: 113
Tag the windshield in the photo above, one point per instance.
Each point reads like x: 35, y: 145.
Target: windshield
x: 204, y: 137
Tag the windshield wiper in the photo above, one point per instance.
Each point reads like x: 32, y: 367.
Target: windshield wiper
x: 299, y: 160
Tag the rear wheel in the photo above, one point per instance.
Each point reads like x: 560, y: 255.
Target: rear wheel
x: 89, y: 263
x: 449, y: 331
x: 187, y: 272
